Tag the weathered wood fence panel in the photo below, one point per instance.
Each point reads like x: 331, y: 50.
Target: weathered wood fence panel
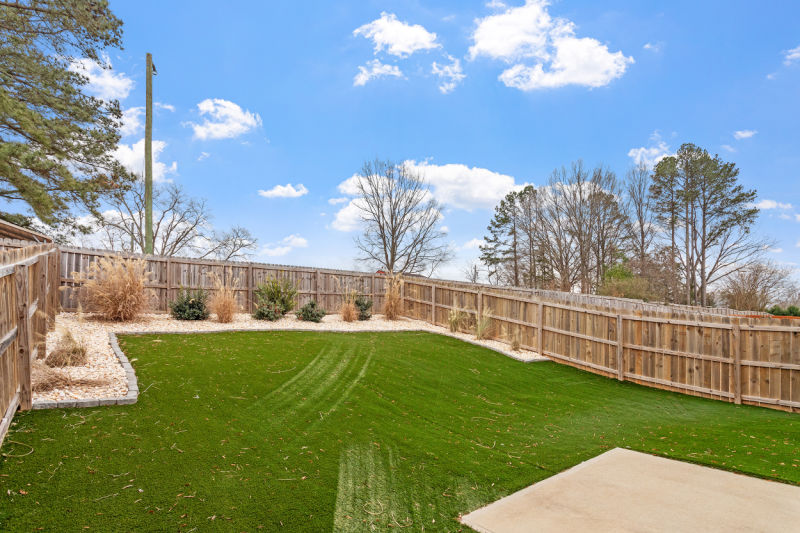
x: 703, y: 352
x: 28, y: 304
x: 169, y: 275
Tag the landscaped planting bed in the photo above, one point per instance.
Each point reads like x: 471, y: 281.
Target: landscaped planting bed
x: 316, y: 431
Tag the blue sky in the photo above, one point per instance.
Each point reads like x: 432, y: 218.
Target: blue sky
x: 264, y: 94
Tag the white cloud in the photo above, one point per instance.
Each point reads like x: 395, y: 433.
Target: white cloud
x: 451, y: 75
x: 223, y: 120
x: 398, y: 38
x: 348, y: 218
x: 790, y: 56
x: 166, y: 107
x: 284, y: 246
x: 744, y: 134
x: 771, y: 204
x: 650, y: 155
x: 797, y: 217
x: 285, y: 191
x: 132, y: 121
x: 473, y: 244
x: 203, y: 155
x: 545, y: 51
x: 445, y: 229
x: 335, y: 201
x: 132, y: 157
x: 375, y: 69
x: 454, y: 185
x: 729, y: 148
x: 775, y: 250
x: 463, y: 187
x: 653, y: 47
x: 103, y: 81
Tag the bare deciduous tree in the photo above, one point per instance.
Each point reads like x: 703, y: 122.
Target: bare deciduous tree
x: 756, y: 286
x: 642, y: 228
x: 181, y: 226
x: 401, y: 233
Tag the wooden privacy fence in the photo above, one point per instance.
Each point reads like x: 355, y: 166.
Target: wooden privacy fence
x: 169, y: 274
x: 703, y: 352
x: 28, y: 304
x: 713, y: 353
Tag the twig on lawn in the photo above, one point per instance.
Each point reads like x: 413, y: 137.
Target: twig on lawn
x: 280, y: 371
x: 370, y: 512
x: 107, y: 496
x: 18, y: 455
x: 484, y: 446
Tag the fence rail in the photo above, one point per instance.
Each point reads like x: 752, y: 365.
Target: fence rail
x: 29, y: 282
x: 714, y: 353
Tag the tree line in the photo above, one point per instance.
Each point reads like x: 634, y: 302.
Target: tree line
x: 674, y: 234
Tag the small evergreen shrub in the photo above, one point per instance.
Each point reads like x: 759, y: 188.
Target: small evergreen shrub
x: 278, y: 292
x: 268, y: 311
x: 189, y: 305
x: 364, y: 306
x: 311, y: 312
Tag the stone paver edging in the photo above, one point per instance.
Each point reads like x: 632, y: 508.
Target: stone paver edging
x: 133, y: 385
x: 128, y: 399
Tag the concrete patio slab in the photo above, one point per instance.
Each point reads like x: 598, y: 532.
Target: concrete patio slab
x: 623, y: 490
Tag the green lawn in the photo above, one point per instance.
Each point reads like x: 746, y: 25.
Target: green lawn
x: 319, y: 431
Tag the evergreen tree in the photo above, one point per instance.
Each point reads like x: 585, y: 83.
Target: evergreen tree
x: 55, y: 141
x: 500, y: 253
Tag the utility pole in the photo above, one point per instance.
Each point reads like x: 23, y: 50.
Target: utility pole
x: 148, y: 160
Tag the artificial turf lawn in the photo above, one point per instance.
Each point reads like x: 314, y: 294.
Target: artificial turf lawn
x: 344, y: 431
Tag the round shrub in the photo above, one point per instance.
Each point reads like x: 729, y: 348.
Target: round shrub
x: 268, y: 311
x: 311, y: 312
x: 364, y: 306
x: 189, y: 305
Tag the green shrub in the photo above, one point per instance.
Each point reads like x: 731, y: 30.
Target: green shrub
x: 777, y: 310
x: 311, y: 312
x: 268, y: 311
x: 189, y: 305
x: 364, y: 306
x: 281, y: 293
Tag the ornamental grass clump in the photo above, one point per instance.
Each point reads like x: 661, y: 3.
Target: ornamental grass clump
x: 223, y: 301
x: 348, y: 310
x: 45, y: 378
x: 114, y: 287
x: 189, y: 305
x: 483, y: 325
x: 393, y: 299
x: 67, y: 352
x: 455, y: 319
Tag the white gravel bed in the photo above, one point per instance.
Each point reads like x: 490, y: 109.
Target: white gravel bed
x: 103, y: 364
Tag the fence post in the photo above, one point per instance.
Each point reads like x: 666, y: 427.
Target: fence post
x: 316, y: 286
x: 540, y: 336
x: 168, y: 280
x: 41, y: 307
x: 433, y: 304
x: 480, y: 305
x: 620, y: 351
x: 23, y: 337
x: 737, y: 362
x: 250, y: 296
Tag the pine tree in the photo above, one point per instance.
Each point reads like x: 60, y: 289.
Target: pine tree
x: 500, y: 251
x: 55, y: 141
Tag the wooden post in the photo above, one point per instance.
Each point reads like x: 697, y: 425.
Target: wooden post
x: 372, y: 288
x: 316, y: 286
x: 251, y: 304
x: 433, y: 304
x: 480, y: 305
x: 620, y: 351
x: 737, y: 362
x: 23, y: 337
x: 168, y: 280
x: 540, y: 336
x: 41, y: 307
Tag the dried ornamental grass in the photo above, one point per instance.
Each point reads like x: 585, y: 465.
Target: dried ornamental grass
x: 44, y: 378
x: 223, y: 301
x: 393, y: 299
x: 483, y: 325
x: 68, y: 352
x: 455, y: 319
x: 114, y: 287
x: 348, y: 310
